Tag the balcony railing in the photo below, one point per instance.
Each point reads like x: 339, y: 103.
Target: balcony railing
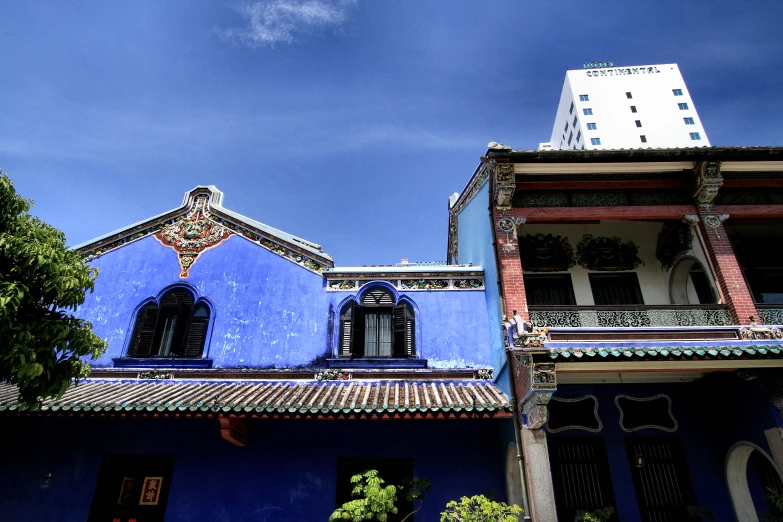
x: 770, y: 314
x: 631, y: 316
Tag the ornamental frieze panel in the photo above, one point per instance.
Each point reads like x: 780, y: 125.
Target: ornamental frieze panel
x: 442, y: 283
x: 192, y: 234
x: 607, y: 254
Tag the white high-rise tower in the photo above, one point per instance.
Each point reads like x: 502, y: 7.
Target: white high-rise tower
x: 607, y: 107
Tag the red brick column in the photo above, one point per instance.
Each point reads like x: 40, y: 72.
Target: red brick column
x: 513, y: 283
x: 727, y: 270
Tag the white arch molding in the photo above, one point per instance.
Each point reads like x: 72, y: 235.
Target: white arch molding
x: 737, y: 479
x: 678, y: 279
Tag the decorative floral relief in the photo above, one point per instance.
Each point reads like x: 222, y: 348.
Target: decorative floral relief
x: 484, y: 373
x: 424, y: 284
x: 155, y: 374
x: 762, y: 334
x: 607, y: 253
x: 469, y: 284
x: 332, y: 375
x: 193, y: 233
x: 342, y: 285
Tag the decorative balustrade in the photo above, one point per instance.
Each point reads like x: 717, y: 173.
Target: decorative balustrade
x: 770, y: 314
x: 631, y: 316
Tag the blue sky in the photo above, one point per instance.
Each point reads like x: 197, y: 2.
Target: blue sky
x: 348, y: 123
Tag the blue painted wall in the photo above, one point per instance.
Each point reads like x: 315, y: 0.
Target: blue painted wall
x: 286, y: 472
x: 475, y: 246
x: 713, y: 414
x: 269, y: 312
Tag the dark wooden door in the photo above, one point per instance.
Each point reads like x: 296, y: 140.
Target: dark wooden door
x: 661, y: 479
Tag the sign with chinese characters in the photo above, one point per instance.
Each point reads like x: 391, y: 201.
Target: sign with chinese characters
x: 150, y: 491
x: 623, y: 71
x: 126, y: 490
x: 596, y: 65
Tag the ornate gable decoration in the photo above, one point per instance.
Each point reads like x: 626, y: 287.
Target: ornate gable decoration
x: 202, y: 223
x: 674, y: 241
x: 192, y: 234
x: 545, y: 253
x: 607, y: 254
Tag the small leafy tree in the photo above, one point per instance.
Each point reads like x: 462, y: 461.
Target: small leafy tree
x: 479, y: 508
x: 42, y: 345
x: 774, y: 498
x: 599, y: 515
x: 377, y: 501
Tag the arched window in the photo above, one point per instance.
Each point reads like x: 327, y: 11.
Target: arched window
x: 378, y: 327
x: 174, y: 327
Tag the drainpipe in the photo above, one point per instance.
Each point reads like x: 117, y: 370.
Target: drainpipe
x: 520, y: 459
x: 514, y: 405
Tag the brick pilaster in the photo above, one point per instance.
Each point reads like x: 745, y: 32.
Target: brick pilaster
x: 511, y: 272
x: 727, y: 270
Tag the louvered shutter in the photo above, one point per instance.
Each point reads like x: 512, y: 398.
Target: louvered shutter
x: 398, y: 324
x: 410, y: 335
x: 345, y: 335
x: 144, y: 332
x: 195, y: 337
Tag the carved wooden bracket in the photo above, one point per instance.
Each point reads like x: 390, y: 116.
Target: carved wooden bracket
x: 708, y: 180
x: 233, y: 430
x: 505, y: 184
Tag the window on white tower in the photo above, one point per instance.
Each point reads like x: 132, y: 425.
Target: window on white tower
x: 689, y: 121
x: 595, y: 141
x: 584, y: 97
x: 592, y: 126
x: 677, y: 92
x: 587, y: 112
x: 695, y: 136
x: 682, y: 106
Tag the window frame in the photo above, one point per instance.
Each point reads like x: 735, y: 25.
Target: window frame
x: 584, y: 97
x: 155, y: 312
x: 629, y: 95
x: 633, y: 109
x: 695, y: 136
x: 683, y: 106
x: 592, y: 126
x: 403, y: 327
x: 595, y: 277
x: 595, y: 141
x: 588, y: 111
x: 643, y: 138
x: 677, y: 92
x: 689, y: 120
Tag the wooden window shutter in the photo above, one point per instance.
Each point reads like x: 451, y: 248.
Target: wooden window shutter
x: 345, y: 335
x: 144, y: 332
x: 404, y: 331
x: 197, y: 334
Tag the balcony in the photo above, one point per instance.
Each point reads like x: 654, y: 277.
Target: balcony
x: 770, y: 314
x: 633, y: 316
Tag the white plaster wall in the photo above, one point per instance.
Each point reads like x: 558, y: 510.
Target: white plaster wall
x: 662, y: 121
x: 557, y: 140
x: 653, y: 281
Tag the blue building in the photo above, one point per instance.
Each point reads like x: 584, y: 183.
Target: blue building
x: 641, y: 301
x: 247, y: 378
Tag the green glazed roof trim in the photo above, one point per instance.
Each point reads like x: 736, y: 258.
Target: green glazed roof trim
x: 666, y: 351
x: 270, y: 397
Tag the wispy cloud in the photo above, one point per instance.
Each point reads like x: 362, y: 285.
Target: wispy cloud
x: 282, y: 21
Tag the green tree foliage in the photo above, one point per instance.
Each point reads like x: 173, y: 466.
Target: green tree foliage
x: 377, y: 501
x: 479, y: 508
x: 42, y: 345
x: 599, y: 515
